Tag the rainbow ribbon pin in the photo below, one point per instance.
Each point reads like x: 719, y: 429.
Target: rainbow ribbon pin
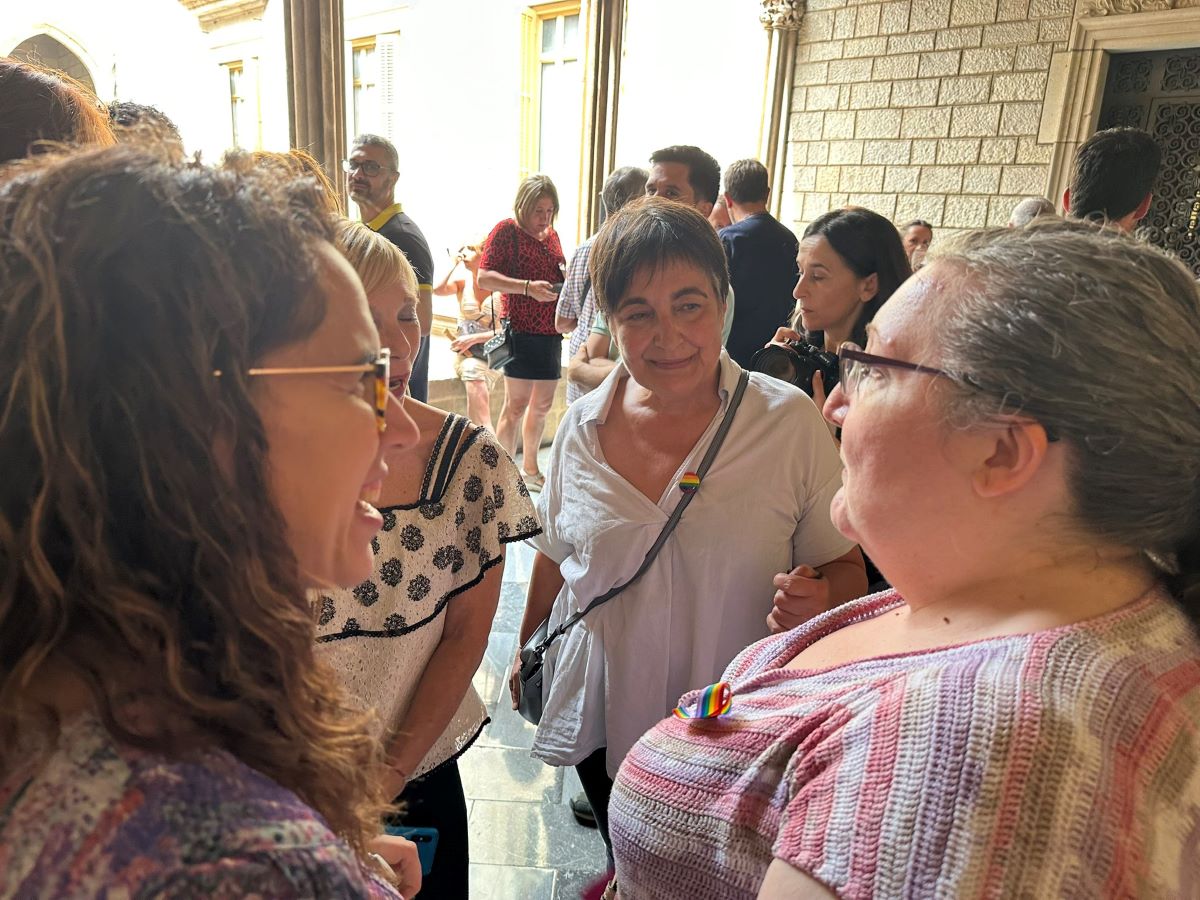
x: 689, y: 482
x: 715, y: 700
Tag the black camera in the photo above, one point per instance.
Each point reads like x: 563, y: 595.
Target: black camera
x: 795, y: 362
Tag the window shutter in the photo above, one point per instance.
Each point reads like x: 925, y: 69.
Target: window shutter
x: 387, y: 54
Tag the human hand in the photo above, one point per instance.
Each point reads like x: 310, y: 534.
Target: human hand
x: 542, y: 292
x: 818, y: 389
x: 467, y: 341
x: 401, y: 854
x: 514, y: 680
x: 783, y: 335
x: 803, y: 593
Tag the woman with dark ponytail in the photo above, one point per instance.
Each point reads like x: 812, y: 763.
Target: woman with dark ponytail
x: 850, y: 261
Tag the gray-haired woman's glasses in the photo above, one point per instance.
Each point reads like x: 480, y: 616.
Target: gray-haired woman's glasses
x: 854, y: 363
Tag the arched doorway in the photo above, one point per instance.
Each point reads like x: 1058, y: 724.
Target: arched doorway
x: 46, y: 51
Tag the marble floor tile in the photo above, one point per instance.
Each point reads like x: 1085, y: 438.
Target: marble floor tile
x: 511, y: 883
x: 496, y: 773
x: 518, y: 562
x: 511, y: 608
x: 507, y: 728
x: 570, y: 884
x: 522, y: 834
x: 491, y: 678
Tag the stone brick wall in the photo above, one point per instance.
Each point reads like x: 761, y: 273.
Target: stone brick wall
x: 923, y: 108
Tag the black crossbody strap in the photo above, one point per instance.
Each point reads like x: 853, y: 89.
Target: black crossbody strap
x: 718, y: 439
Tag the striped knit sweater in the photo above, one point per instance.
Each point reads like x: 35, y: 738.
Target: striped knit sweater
x: 1064, y: 763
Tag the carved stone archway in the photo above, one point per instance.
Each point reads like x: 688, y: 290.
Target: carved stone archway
x: 45, y: 50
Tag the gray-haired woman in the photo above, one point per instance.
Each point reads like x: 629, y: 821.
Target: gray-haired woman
x: 1019, y: 716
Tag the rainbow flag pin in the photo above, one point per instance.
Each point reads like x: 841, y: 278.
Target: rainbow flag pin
x: 715, y: 700
x: 689, y: 483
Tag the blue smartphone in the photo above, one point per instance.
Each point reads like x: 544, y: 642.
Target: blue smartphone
x: 426, y: 840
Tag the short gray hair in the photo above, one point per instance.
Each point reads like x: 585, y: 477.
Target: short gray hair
x: 1093, y: 334
x: 1028, y: 210
x: 623, y: 185
x: 376, y: 140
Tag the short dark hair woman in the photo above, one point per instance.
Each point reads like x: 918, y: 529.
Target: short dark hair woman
x: 620, y: 464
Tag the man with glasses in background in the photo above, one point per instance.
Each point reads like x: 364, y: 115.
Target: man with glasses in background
x: 371, y: 174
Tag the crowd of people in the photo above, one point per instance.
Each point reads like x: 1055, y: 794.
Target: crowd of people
x: 923, y: 622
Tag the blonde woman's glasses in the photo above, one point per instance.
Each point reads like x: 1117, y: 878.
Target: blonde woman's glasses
x: 380, y: 367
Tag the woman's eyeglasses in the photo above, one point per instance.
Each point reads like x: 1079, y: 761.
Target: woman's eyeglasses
x: 381, y: 368
x: 854, y: 363
x: 369, y: 167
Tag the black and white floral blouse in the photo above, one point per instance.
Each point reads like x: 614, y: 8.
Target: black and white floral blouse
x: 381, y: 635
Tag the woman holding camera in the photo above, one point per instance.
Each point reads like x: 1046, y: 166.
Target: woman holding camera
x: 625, y: 455
x: 1018, y: 716
x: 851, y: 261
x: 524, y: 261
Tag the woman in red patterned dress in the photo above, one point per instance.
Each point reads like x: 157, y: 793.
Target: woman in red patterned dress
x: 524, y: 261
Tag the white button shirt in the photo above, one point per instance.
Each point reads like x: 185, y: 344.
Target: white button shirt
x: 763, y: 508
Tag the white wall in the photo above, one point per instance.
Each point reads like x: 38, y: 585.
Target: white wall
x: 692, y: 73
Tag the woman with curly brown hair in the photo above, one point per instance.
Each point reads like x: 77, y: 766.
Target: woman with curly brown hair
x: 193, y: 418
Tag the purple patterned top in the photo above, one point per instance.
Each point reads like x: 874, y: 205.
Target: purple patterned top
x: 101, y: 819
x: 1059, y: 763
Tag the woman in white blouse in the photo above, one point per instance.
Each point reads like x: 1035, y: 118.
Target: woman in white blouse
x: 759, y: 521
x: 408, y: 639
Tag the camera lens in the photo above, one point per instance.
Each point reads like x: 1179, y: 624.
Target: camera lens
x: 778, y: 362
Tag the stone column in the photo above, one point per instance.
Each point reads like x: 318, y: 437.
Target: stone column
x: 781, y: 19
x: 606, y: 28
x: 314, y: 35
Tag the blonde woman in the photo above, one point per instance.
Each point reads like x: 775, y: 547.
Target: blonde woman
x: 523, y: 259
x: 408, y: 639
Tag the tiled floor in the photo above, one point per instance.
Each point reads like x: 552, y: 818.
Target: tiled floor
x: 525, y: 844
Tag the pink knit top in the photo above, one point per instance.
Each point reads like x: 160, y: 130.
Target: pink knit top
x: 1064, y: 763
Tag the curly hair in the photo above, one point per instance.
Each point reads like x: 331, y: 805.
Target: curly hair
x: 40, y: 107
x: 141, y: 552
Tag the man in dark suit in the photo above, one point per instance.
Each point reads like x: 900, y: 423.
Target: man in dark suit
x: 762, y: 260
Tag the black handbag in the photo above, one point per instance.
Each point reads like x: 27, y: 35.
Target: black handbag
x: 498, y: 351
x: 533, y: 653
